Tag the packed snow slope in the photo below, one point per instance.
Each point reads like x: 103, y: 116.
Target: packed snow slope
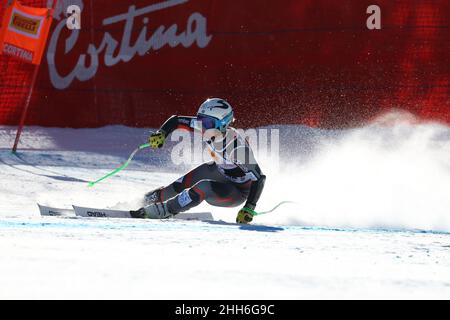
x: 371, y: 219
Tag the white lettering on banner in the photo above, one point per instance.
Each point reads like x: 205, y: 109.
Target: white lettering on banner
x: 73, y: 21
x: 195, y: 33
x: 374, y: 21
x: 18, y: 52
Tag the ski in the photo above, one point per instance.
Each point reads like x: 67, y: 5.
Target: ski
x: 55, y: 212
x: 87, y: 212
x: 100, y: 213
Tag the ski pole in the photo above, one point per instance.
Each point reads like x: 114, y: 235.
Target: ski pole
x: 143, y: 146
x: 254, y: 213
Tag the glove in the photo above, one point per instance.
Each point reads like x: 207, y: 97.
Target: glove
x: 157, y: 139
x: 245, y: 215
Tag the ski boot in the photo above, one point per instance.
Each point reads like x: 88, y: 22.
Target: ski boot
x: 153, y: 211
x: 153, y: 197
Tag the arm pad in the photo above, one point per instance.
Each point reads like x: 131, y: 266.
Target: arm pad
x: 255, y: 192
x: 176, y: 122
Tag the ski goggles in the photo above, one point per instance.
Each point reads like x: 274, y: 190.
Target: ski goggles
x: 209, y: 122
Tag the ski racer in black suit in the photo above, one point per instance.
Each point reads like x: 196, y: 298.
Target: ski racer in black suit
x: 232, y: 178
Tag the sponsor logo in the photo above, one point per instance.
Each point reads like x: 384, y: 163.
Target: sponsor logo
x: 12, y: 50
x: 111, y: 51
x: 185, y: 121
x: 184, y: 199
x: 96, y: 214
x: 25, y: 24
x: 222, y: 105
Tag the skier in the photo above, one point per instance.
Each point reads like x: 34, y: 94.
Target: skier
x: 232, y: 178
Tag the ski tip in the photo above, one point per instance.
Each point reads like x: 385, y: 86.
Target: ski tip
x: 91, y: 184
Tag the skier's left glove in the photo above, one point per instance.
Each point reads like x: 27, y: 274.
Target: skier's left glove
x: 245, y: 215
x: 157, y: 139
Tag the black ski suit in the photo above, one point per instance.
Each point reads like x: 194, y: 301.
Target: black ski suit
x: 232, y: 178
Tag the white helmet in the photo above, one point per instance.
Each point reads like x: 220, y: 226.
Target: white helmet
x: 215, y: 113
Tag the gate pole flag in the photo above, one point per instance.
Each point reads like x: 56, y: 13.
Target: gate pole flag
x: 24, y: 35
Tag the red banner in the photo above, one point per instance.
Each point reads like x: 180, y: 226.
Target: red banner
x: 24, y: 32
x: 314, y: 62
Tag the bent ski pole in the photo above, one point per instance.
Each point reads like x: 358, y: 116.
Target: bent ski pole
x: 254, y: 213
x: 143, y: 146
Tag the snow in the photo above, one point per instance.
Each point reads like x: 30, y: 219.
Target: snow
x: 372, y: 219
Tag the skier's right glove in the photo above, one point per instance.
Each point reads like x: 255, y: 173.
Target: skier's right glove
x: 157, y: 139
x: 245, y: 215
